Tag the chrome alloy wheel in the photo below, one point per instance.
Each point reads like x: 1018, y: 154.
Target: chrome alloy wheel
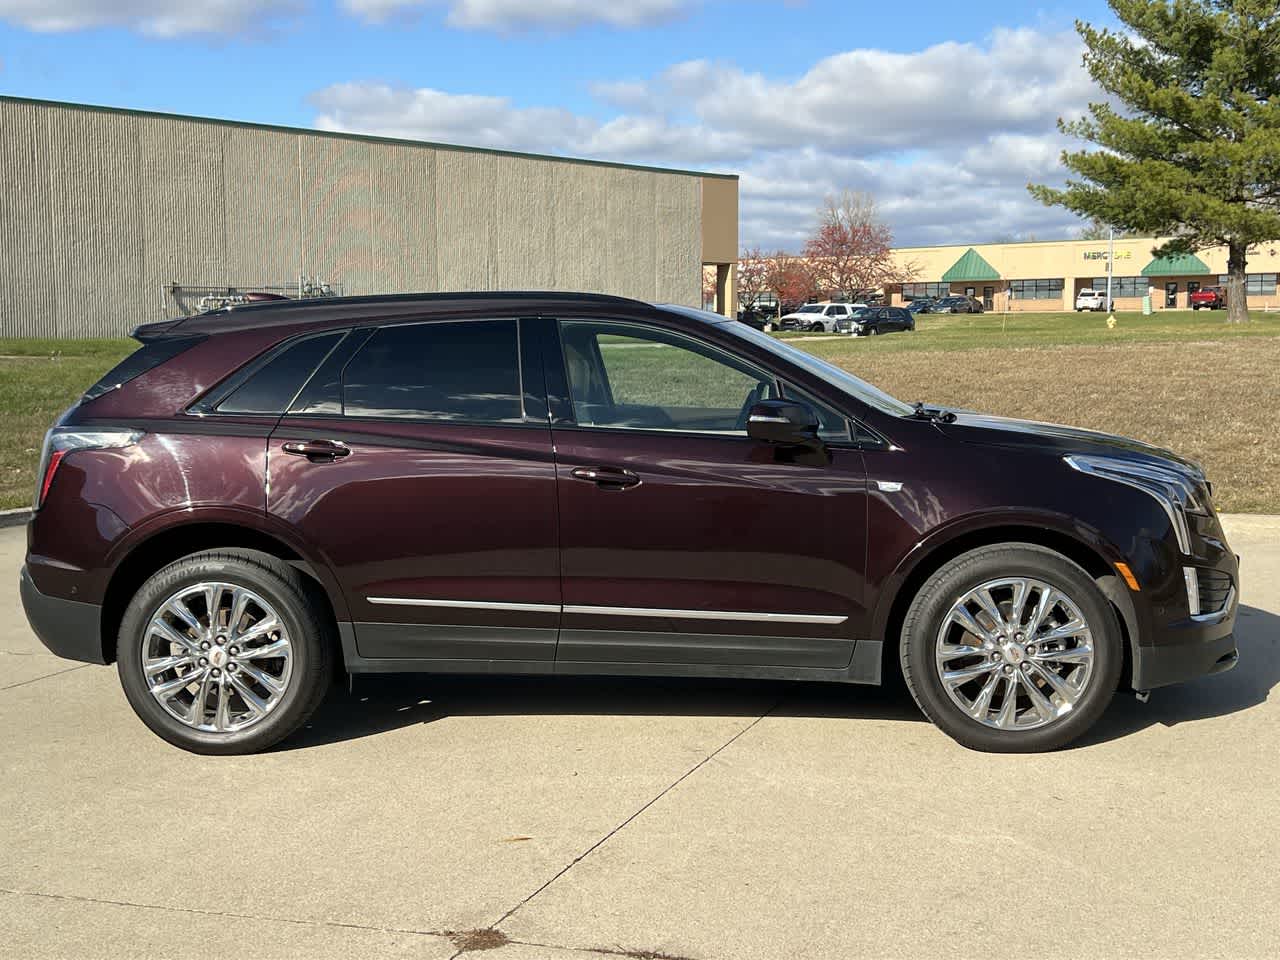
x: 217, y: 657
x: 1015, y: 653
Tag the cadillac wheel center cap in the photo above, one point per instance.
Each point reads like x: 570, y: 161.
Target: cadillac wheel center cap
x: 1013, y: 653
x: 218, y: 657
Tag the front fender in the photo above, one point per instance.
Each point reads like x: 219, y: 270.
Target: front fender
x: 981, y: 529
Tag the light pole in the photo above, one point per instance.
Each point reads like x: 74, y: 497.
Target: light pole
x: 1111, y: 262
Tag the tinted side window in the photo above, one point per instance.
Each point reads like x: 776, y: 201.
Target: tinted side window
x: 272, y: 386
x: 647, y: 379
x: 831, y: 425
x: 465, y: 370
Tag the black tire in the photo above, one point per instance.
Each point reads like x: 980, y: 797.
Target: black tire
x: 924, y: 620
x: 310, y: 632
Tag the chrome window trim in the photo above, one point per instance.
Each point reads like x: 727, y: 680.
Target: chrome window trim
x: 816, y: 618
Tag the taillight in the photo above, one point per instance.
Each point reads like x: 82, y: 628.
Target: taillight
x: 61, y: 441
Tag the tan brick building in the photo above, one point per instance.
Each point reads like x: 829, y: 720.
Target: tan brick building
x: 1047, y: 275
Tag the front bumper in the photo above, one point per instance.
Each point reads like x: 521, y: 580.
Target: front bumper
x: 68, y: 628
x: 1189, y: 648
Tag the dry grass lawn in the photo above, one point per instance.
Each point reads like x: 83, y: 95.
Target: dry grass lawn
x: 1218, y: 402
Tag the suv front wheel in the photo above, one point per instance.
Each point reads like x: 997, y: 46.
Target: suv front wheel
x: 1011, y: 649
x: 224, y: 652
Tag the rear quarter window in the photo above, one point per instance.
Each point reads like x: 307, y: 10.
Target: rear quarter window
x: 272, y: 386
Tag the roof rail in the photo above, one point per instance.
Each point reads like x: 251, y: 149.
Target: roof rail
x: 373, y: 299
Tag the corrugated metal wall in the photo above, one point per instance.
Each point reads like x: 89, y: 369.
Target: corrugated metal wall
x: 100, y: 209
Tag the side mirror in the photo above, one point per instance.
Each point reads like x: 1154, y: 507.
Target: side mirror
x: 783, y: 422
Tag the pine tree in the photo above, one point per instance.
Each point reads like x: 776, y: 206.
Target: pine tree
x: 1191, y: 143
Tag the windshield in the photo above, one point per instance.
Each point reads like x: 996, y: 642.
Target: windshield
x: 841, y: 379
x: 815, y: 308
x: 862, y: 312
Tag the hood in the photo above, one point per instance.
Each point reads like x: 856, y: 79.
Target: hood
x: 1054, y: 437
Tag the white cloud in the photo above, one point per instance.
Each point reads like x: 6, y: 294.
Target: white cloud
x: 160, y: 18
x: 946, y: 138
x: 506, y: 15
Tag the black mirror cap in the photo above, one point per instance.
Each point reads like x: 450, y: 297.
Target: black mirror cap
x: 783, y: 422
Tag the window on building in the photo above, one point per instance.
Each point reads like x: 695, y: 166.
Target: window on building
x: 464, y: 371
x: 1123, y: 286
x: 914, y: 291
x: 1036, y: 289
x: 1256, y: 284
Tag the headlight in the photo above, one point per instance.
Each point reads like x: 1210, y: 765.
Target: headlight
x: 1175, y: 491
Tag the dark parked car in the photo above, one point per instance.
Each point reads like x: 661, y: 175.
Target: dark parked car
x: 872, y: 321
x: 922, y: 305
x: 758, y: 317
x: 573, y: 484
x: 958, y: 304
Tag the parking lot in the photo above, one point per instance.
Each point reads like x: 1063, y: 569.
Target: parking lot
x: 642, y: 818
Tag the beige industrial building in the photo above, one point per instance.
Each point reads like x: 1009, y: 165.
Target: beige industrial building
x: 110, y: 218
x: 1048, y: 275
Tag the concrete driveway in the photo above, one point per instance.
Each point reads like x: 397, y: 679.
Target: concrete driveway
x: 642, y: 818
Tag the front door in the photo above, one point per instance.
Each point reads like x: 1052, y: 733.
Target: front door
x: 1193, y: 286
x: 423, y: 471
x: 988, y: 297
x: 682, y: 540
x: 1171, y: 294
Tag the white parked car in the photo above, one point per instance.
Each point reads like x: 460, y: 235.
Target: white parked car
x: 1091, y: 300
x: 818, y: 316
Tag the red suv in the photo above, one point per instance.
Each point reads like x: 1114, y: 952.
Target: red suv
x: 573, y: 484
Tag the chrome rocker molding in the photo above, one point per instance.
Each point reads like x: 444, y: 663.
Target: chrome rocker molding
x: 615, y: 611
x: 467, y: 604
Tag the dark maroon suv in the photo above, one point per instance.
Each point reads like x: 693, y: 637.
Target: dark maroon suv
x: 573, y: 484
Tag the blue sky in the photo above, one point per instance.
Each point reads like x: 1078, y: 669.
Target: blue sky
x: 943, y: 111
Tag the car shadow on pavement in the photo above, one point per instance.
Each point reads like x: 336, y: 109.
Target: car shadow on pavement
x: 381, y: 703
x: 378, y: 704
x: 1248, y: 684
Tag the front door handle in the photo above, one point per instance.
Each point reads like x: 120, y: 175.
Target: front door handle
x: 614, y: 477
x: 317, y: 451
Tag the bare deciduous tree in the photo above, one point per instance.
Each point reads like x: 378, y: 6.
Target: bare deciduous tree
x: 753, y: 270
x: 851, y: 253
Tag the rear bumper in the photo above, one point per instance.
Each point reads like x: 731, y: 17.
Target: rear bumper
x: 68, y: 628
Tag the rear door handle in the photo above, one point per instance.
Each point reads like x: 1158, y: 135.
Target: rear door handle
x: 317, y: 451
x: 607, y: 476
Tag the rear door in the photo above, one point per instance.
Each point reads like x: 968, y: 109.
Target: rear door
x: 418, y: 461
x: 683, y: 541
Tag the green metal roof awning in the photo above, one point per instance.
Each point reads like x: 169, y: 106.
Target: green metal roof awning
x: 971, y: 266
x: 1178, y: 265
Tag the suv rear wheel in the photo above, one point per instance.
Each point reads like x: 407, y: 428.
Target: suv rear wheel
x: 224, y: 652
x: 1011, y: 649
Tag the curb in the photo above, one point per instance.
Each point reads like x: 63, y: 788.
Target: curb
x: 15, y: 518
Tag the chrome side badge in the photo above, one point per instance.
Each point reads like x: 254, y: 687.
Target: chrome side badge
x: 889, y: 486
